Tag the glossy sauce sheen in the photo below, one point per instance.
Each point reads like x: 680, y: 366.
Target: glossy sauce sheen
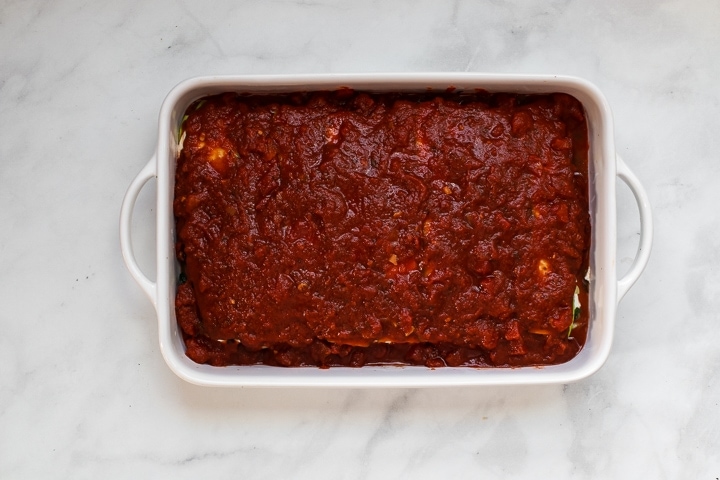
x: 345, y: 228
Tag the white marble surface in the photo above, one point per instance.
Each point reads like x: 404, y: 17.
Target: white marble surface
x: 84, y: 392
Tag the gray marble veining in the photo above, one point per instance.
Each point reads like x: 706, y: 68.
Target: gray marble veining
x: 84, y: 392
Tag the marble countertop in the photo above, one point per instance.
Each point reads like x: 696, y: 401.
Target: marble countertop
x: 84, y: 391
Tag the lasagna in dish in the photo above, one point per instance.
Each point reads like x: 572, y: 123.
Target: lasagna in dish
x: 348, y: 228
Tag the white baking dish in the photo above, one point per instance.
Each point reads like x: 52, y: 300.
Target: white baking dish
x: 605, y: 289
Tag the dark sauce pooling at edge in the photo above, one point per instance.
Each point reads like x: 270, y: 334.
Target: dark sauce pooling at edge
x: 346, y: 228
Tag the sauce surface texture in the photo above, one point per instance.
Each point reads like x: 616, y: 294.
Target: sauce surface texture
x: 346, y: 228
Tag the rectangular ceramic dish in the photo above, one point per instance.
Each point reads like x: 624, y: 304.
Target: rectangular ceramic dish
x: 605, y: 289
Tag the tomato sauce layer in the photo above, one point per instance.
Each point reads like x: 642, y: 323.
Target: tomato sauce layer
x: 347, y: 228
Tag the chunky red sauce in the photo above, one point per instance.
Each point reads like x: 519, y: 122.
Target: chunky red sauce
x: 345, y: 228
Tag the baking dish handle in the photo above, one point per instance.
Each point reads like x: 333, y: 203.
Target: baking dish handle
x: 646, y: 228
x: 149, y: 171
